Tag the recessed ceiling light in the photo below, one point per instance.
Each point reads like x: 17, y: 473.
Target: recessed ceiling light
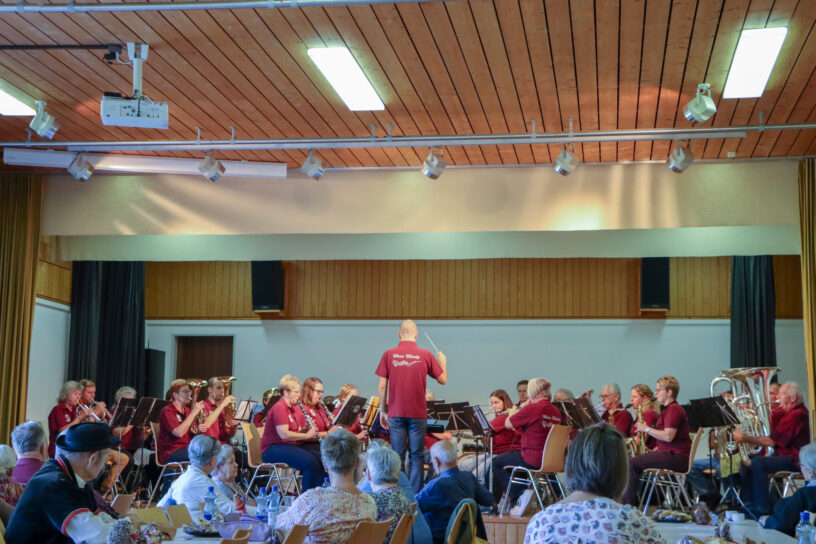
x: 754, y: 59
x: 344, y: 74
x: 11, y: 106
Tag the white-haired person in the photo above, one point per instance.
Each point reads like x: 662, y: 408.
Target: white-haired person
x: 597, y: 473
x: 225, y: 473
x: 332, y: 513
x: 790, y: 431
x: 786, y: 511
x: 189, y: 488
x: 10, y: 490
x: 383, y: 470
x: 533, y: 421
x: 439, y: 498
x: 28, y: 440
x: 563, y: 395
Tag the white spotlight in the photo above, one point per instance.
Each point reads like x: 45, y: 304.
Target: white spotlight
x: 211, y: 168
x: 80, y: 168
x: 701, y: 107
x: 566, y: 161
x: 44, y: 123
x: 312, y: 166
x: 433, y: 165
x: 679, y: 159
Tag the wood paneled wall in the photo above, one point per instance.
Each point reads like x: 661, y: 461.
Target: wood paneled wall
x: 53, y: 275
x: 471, y: 289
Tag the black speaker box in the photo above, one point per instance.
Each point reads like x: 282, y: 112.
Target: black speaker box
x: 267, y: 286
x: 654, y: 283
x: 154, y: 368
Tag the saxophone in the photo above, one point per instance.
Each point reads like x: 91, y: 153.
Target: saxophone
x: 310, y: 421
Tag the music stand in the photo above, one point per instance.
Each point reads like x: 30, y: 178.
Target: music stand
x: 588, y: 415
x: 436, y: 425
x: 570, y: 414
x: 246, y: 408
x: 123, y: 412
x: 350, y: 411
x: 454, y: 413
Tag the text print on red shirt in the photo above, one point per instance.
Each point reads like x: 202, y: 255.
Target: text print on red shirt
x: 413, y: 359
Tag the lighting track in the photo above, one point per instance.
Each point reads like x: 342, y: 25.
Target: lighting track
x: 72, y: 7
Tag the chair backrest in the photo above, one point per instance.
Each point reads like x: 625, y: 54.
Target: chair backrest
x: 242, y: 533
x: 414, y: 506
x: 178, y: 514
x: 154, y: 426
x: 370, y: 532
x: 149, y: 515
x: 253, y: 439
x: 462, y: 525
x: 2, y: 529
x: 402, y: 532
x: 693, y: 451
x: 122, y: 502
x: 555, y: 448
x: 297, y: 534
x: 243, y: 539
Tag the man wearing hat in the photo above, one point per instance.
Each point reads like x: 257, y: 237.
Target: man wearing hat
x: 58, y: 504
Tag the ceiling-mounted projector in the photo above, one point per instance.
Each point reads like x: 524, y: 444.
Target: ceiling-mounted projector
x: 136, y: 110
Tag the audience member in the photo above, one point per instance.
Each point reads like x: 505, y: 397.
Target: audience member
x: 189, y: 488
x: 597, y: 470
x: 786, y: 511
x: 383, y: 469
x: 66, y: 413
x: 439, y: 498
x: 57, y: 505
x: 10, y: 490
x: 28, y: 440
x: 226, y: 470
x: 332, y: 513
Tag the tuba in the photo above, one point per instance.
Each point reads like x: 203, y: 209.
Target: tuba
x: 195, y: 385
x: 228, y: 381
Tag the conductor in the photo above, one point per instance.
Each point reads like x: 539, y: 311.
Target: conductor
x: 403, y: 371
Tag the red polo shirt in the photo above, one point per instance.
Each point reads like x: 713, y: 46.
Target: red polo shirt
x: 133, y: 439
x: 650, y: 418
x: 282, y: 414
x: 621, y: 419
x: 791, y: 432
x: 319, y: 416
x: 504, y: 439
x: 356, y: 428
x: 406, y: 367
x: 674, y: 417
x: 220, y: 430
x: 167, y: 442
x: 534, y: 422
x: 60, y: 416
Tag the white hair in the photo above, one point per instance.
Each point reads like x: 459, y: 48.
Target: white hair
x: 807, y: 457
x: 202, y: 449
x: 383, y: 465
x: 613, y: 387
x: 445, y: 452
x: 538, y: 385
x: 794, y: 389
x: 224, y: 455
x: 27, y: 437
x: 7, y: 460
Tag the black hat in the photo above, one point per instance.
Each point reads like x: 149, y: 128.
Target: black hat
x: 87, y: 437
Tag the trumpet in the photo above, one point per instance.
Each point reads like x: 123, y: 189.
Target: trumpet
x: 86, y: 407
x: 195, y: 385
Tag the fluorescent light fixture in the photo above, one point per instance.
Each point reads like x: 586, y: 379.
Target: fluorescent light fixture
x: 754, y: 59
x: 345, y: 75
x: 11, y: 106
x: 103, y: 162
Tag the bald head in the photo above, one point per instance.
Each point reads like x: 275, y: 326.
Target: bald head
x: 408, y: 330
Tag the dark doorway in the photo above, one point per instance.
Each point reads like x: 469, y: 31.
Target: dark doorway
x: 203, y: 357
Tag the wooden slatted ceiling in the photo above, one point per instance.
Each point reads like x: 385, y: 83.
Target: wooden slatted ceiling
x: 455, y: 67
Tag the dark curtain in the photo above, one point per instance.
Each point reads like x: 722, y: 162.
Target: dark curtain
x: 107, y: 326
x: 753, y: 312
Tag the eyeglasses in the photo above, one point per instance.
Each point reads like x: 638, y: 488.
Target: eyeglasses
x: 318, y: 391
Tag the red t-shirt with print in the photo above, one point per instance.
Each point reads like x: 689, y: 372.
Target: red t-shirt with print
x: 406, y: 367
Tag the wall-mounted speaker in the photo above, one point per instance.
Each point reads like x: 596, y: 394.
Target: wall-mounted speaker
x: 654, y: 283
x: 267, y: 286
x: 154, y: 370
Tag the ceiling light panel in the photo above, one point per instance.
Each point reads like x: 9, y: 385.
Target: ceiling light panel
x: 754, y: 59
x: 344, y: 74
x: 11, y: 106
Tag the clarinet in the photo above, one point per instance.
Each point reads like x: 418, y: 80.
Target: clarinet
x: 329, y: 415
x: 310, y: 421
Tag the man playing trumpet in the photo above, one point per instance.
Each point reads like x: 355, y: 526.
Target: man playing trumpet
x: 217, y: 421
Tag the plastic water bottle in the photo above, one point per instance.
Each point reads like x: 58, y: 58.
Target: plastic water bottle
x: 209, y: 504
x: 804, y: 530
x: 262, y: 510
x: 274, y: 506
x: 326, y: 483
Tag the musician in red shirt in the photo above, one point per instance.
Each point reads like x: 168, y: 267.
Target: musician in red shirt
x: 643, y: 400
x: 175, y: 421
x: 789, y: 433
x: 66, y: 413
x: 504, y: 439
x: 533, y: 421
x: 347, y: 391
x: 671, y: 432
x: 217, y: 422
x: 270, y: 398
x: 287, y: 432
x: 615, y: 414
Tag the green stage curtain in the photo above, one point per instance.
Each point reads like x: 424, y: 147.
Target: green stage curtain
x: 807, y: 233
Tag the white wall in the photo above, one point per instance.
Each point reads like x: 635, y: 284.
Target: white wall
x: 48, y: 358
x: 485, y: 355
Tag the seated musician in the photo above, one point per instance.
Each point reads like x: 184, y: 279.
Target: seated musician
x: 615, y: 414
x: 347, y: 391
x: 175, y: 421
x: 790, y: 433
x: 66, y: 413
x: 563, y: 395
x: 430, y: 440
x: 217, y: 421
x: 504, y: 439
x: 521, y: 389
x: 533, y: 421
x: 270, y: 398
x: 671, y: 432
x: 132, y: 437
x: 88, y: 398
x: 287, y: 433
x: 644, y: 403
x: 312, y: 401
x: 786, y: 512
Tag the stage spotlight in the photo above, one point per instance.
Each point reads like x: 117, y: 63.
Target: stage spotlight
x: 211, y: 168
x: 680, y: 158
x: 566, y: 161
x: 701, y: 107
x: 312, y: 166
x: 433, y: 165
x: 80, y: 168
x: 44, y: 123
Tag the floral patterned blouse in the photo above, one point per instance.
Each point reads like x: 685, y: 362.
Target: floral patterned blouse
x: 600, y: 520
x: 331, y: 514
x: 10, y: 491
x: 391, y: 503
